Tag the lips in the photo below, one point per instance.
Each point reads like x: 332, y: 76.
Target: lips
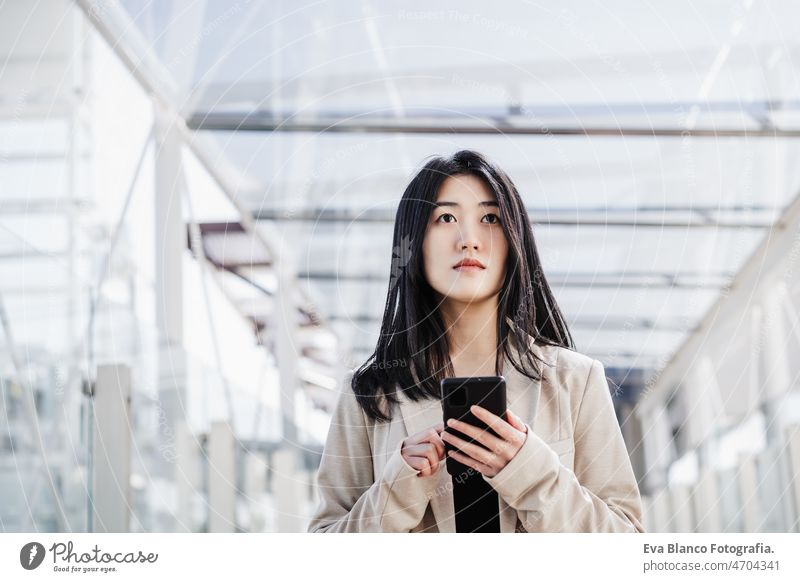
x: 469, y: 263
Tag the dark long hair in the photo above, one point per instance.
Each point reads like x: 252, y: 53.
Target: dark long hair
x: 412, y: 337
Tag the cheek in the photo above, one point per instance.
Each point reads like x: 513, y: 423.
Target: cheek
x: 498, y: 246
x: 435, y: 257
x: 499, y: 253
x: 429, y: 254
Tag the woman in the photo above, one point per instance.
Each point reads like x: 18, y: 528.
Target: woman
x: 467, y: 297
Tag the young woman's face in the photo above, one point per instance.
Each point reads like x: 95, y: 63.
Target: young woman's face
x: 465, y: 224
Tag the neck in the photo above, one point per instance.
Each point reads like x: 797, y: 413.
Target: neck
x: 471, y: 329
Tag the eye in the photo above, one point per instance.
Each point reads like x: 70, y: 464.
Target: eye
x: 494, y: 216
x: 439, y: 219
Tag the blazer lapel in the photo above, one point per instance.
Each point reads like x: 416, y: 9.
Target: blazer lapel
x: 423, y: 414
x: 516, y: 382
x: 418, y: 416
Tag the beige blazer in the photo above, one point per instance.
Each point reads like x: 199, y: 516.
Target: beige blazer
x: 572, y: 474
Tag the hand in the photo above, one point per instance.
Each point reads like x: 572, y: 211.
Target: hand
x: 500, y: 450
x: 424, y: 450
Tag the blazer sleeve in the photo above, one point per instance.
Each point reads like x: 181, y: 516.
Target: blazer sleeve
x: 601, y: 495
x: 351, y: 498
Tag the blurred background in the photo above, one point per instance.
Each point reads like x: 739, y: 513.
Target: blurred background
x: 196, y: 207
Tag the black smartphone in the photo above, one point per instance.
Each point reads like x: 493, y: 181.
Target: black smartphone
x: 458, y: 394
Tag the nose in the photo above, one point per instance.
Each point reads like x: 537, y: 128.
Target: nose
x: 468, y: 239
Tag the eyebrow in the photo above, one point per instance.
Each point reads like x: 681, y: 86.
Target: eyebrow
x: 484, y: 203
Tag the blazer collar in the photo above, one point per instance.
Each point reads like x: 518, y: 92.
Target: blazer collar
x: 418, y: 416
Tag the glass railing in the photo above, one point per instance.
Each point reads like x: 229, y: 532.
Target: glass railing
x: 174, y: 408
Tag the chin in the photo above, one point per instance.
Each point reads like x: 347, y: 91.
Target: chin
x: 467, y: 296
x: 466, y: 291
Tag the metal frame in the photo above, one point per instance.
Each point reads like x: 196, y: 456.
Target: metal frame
x: 614, y: 323
x: 652, y: 280
x: 511, y: 120
x: 701, y: 218
x: 778, y: 243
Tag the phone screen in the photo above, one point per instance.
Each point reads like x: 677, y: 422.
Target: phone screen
x: 459, y: 394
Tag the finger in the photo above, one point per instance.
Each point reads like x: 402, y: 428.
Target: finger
x: 483, y: 436
x: 433, y: 459
x: 516, y: 421
x: 430, y: 467
x: 427, y: 451
x: 419, y: 463
x: 504, y: 430
x: 512, y: 419
x: 437, y: 442
x: 418, y: 450
x: 472, y: 463
x: 477, y: 452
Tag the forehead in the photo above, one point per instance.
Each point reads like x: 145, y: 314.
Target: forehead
x: 464, y: 189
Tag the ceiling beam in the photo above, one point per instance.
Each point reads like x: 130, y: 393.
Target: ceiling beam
x: 616, y: 359
x: 594, y: 323
x: 508, y: 112
x: 543, y: 216
x: 633, y: 280
x: 481, y: 123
